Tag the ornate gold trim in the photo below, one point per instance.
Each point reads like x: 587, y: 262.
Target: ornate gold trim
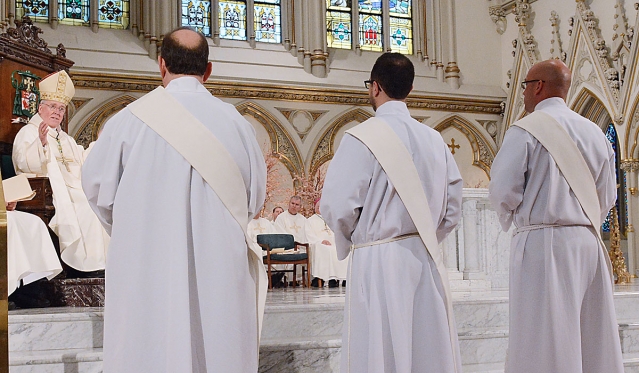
x: 131, y: 83
x: 483, y: 153
x: 281, y: 141
x: 325, y: 148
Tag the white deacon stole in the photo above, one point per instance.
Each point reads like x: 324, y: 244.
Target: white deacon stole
x: 208, y: 156
x: 563, y: 149
x: 398, y: 164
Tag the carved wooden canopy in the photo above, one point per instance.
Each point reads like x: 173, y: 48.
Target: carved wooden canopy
x: 23, y: 44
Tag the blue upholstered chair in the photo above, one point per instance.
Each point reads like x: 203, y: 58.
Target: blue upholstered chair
x: 287, y: 242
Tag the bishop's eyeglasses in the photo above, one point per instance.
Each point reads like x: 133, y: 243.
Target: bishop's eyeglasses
x: 367, y: 83
x: 59, y: 109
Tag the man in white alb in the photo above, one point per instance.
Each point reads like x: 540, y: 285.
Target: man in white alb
x: 396, y: 315
x: 30, y: 252
x: 291, y: 221
x: 324, y: 262
x: 42, y: 148
x: 259, y: 225
x: 181, y: 283
x: 562, y: 316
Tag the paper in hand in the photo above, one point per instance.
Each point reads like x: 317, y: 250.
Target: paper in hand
x: 17, y: 189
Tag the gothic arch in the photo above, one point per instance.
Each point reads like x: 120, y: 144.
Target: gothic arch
x: 588, y: 104
x: 632, y: 151
x: 89, y: 130
x: 325, y: 148
x: 281, y: 142
x: 483, y: 153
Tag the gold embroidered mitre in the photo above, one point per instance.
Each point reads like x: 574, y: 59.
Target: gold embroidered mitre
x: 57, y: 87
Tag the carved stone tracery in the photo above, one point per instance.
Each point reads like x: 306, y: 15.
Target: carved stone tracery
x: 483, y: 153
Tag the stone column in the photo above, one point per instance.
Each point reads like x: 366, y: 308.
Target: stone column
x: 153, y: 29
x: 53, y: 14
x: 439, y: 52
x: 250, y: 23
x: 631, y: 166
x: 93, y: 16
x: 166, y: 15
x: 318, y: 39
x: 472, y: 269
x: 134, y: 8
x: 452, y: 70
x: 11, y: 12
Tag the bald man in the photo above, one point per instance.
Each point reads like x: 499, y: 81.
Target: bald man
x: 180, y: 287
x: 562, y: 316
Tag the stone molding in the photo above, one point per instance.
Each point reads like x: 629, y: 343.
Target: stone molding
x: 131, y: 83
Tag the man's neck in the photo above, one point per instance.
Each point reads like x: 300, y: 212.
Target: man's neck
x: 289, y: 211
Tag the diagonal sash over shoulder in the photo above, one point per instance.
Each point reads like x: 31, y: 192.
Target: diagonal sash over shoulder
x: 398, y: 164
x: 563, y: 149
x: 208, y: 156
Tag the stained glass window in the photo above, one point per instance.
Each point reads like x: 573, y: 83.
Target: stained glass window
x: 401, y: 26
x: 611, y: 135
x: 267, y: 21
x: 370, y: 32
x: 370, y: 25
x: 338, y: 24
x: 73, y: 12
x: 232, y: 18
x: 197, y: 14
x: 370, y: 6
x: 37, y: 10
x: 113, y: 14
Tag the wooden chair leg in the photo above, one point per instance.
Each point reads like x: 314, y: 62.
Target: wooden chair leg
x: 270, y: 281
x: 294, y: 275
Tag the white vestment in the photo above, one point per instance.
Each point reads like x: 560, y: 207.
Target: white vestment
x: 396, y: 321
x: 259, y: 226
x: 179, y: 293
x: 30, y: 252
x: 324, y: 261
x: 291, y: 224
x: 562, y: 316
x: 83, y: 241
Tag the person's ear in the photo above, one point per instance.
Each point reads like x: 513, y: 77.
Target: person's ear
x: 207, y: 73
x: 162, y: 66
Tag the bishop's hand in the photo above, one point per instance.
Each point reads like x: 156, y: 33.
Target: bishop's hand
x: 42, y: 133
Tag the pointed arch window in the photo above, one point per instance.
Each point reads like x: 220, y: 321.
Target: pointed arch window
x: 267, y: 21
x: 232, y: 20
x: 380, y: 24
x: 113, y: 14
x: 197, y: 14
x: 74, y: 12
x: 38, y: 11
x: 622, y: 197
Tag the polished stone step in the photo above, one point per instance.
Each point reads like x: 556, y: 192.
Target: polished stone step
x: 302, y: 333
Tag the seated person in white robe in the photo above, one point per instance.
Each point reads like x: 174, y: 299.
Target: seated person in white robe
x: 324, y: 262
x: 291, y: 221
x: 276, y: 211
x: 30, y: 254
x: 42, y: 148
x: 259, y: 225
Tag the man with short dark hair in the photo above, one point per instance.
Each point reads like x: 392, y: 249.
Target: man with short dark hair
x: 180, y: 287
x: 398, y: 315
x: 562, y: 315
x: 276, y: 211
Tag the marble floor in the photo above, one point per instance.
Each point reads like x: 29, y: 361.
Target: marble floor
x: 69, y: 339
